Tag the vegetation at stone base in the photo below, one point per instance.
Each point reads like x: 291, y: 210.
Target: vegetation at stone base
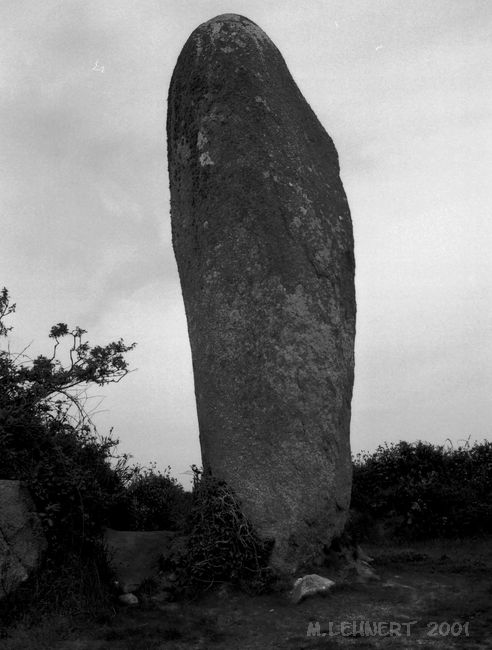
x: 222, y: 544
x: 217, y: 543
x: 424, y: 490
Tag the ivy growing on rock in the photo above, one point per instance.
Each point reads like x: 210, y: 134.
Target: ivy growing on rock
x: 222, y: 545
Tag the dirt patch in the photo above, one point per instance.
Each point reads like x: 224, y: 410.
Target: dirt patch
x: 430, y: 595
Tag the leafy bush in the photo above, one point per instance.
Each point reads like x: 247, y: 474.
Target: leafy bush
x: 222, y: 546
x: 48, y: 440
x: 426, y: 490
x: 153, y: 500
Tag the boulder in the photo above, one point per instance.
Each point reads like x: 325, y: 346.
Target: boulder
x: 134, y: 555
x: 263, y: 240
x: 22, y: 542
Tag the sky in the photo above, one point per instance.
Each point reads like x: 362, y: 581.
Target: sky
x: 404, y: 89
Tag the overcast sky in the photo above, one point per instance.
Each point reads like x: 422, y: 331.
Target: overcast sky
x: 404, y: 89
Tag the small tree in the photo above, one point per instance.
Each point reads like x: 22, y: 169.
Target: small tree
x: 42, y: 385
x: 47, y: 437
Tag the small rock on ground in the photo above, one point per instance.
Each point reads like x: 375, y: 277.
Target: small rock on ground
x: 310, y: 585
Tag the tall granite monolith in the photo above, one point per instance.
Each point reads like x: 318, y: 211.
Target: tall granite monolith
x: 263, y: 241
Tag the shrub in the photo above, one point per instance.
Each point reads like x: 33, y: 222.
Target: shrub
x: 153, y: 500
x: 428, y: 490
x: 48, y: 440
x: 223, y: 546
x: 80, y: 584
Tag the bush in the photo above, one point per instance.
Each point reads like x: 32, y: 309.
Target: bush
x: 427, y: 490
x: 48, y: 440
x: 80, y: 584
x: 222, y: 546
x: 153, y: 500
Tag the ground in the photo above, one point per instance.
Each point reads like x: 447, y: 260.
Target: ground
x: 435, y: 595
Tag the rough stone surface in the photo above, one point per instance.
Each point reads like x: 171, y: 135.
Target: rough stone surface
x: 134, y: 555
x: 263, y: 240
x: 22, y: 542
x: 310, y: 585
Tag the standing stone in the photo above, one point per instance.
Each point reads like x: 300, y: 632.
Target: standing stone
x: 264, y: 246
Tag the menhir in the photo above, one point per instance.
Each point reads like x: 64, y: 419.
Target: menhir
x: 264, y: 246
